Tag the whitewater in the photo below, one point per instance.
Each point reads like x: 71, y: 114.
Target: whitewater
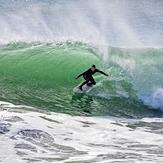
x: 44, y: 45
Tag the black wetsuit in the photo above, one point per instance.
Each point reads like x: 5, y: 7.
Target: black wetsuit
x: 88, y: 77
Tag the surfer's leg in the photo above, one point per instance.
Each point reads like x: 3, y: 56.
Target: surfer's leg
x: 80, y: 87
x: 92, y: 81
x: 85, y: 82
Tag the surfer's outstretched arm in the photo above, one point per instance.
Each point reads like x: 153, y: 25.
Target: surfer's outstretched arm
x: 81, y: 74
x: 102, y: 72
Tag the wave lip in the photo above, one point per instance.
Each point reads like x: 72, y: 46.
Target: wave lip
x: 154, y: 100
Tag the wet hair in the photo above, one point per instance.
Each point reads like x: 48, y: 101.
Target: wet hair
x: 94, y: 66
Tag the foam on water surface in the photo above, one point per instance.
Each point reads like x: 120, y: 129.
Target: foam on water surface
x: 53, y: 137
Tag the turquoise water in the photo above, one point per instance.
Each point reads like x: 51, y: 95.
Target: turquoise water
x: 43, y: 76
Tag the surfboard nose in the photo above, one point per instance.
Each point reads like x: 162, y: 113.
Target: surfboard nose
x: 85, y: 89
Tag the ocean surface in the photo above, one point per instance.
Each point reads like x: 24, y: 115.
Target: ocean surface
x: 44, y: 45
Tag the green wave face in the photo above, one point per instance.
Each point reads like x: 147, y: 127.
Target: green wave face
x: 43, y: 75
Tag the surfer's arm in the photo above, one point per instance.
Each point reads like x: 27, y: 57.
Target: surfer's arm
x: 81, y: 74
x: 102, y: 72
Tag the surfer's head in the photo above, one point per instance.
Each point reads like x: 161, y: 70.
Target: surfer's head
x: 93, y: 67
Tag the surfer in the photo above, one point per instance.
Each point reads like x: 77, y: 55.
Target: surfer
x: 87, y: 75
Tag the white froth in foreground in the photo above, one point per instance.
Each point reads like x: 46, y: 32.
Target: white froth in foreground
x: 30, y: 136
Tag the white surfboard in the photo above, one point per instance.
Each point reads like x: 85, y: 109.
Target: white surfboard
x: 85, y: 88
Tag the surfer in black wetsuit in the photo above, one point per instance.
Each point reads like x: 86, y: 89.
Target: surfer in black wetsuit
x: 87, y: 75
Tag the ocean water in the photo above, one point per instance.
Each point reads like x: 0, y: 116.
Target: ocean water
x: 44, y: 45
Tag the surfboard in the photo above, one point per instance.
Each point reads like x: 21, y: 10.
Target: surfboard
x: 85, y: 88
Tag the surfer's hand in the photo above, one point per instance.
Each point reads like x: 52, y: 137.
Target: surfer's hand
x: 106, y: 75
x: 76, y: 77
